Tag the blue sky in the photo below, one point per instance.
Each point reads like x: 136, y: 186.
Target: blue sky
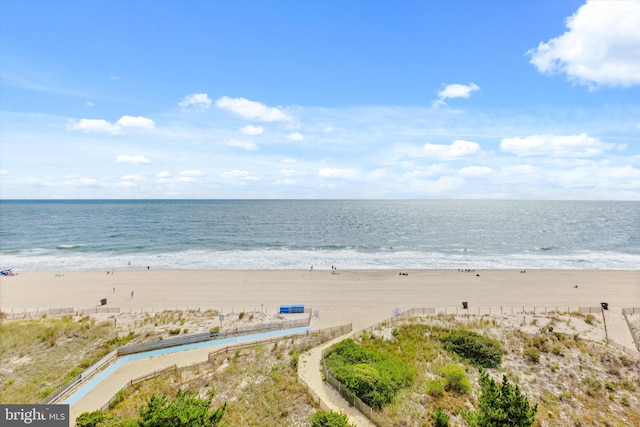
x: 320, y: 99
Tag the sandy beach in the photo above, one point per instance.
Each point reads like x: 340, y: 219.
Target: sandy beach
x: 362, y: 297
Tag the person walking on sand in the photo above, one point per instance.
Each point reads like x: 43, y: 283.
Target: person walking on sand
x: 131, y: 294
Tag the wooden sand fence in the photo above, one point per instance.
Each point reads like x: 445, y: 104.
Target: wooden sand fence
x: 312, y: 339
x: 117, y: 396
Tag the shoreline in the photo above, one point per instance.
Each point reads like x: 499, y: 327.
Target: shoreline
x: 359, y: 296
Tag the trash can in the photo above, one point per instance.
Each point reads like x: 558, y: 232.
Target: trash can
x: 605, y: 305
x: 465, y: 305
x: 103, y: 301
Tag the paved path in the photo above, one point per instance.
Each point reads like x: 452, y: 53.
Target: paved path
x: 617, y: 327
x: 309, y: 372
x: 96, y: 392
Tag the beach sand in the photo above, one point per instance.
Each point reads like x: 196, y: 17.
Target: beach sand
x: 361, y: 297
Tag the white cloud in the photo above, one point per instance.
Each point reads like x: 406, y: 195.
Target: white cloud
x: 252, y: 110
x: 3, y: 172
x: 132, y: 178
x: 100, y: 125
x: 163, y: 174
x: 93, y: 125
x: 601, y: 46
x: 296, y: 136
x: 82, y: 182
x: 291, y: 172
x: 285, y: 182
x: 458, y: 148
x: 135, y: 122
x: 337, y: 173
x: 246, y: 145
x: 289, y: 161
x: 240, y: 175
x: 134, y: 160
x: 475, y: 171
x: 580, y: 145
x: 197, y: 101
x: 252, y: 130
x: 455, y: 90
x: 444, y: 184
x: 191, y: 173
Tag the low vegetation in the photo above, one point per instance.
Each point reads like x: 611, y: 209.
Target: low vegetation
x: 552, y: 363
x: 373, y: 376
x: 39, y: 355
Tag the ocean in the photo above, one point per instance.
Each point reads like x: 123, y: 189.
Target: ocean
x: 297, y: 234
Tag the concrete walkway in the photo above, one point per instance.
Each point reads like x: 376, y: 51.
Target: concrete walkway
x: 617, y: 327
x: 309, y: 372
x: 96, y: 392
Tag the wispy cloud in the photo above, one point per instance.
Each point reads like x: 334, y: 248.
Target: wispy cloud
x: 252, y: 130
x: 133, y: 160
x: 103, y: 126
x: 252, y: 110
x: 458, y: 148
x: 580, y: 145
x: 296, y: 136
x: 455, y: 90
x: 196, y: 101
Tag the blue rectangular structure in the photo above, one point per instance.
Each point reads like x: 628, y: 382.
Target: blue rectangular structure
x: 299, y: 308
x: 285, y: 309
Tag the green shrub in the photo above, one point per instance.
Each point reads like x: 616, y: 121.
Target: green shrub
x: 478, y: 349
x: 330, y: 419
x: 455, y: 379
x: 185, y: 409
x: 440, y: 418
x: 502, y: 405
x: 373, y: 376
x: 435, y: 388
x: 90, y: 419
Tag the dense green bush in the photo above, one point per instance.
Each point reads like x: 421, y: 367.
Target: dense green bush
x: 373, y: 376
x: 104, y: 419
x: 478, y: 349
x: 501, y: 405
x: 330, y: 419
x: 185, y: 410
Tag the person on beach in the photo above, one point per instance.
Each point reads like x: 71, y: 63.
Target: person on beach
x: 131, y: 294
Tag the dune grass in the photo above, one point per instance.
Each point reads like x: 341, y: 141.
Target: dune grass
x: 39, y: 355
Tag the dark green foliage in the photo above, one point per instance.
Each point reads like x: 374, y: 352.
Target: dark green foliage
x: 373, y: 376
x: 440, y: 418
x: 104, y: 419
x: 185, y: 410
x: 502, y: 405
x: 478, y: 349
x: 330, y: 419
x: 90, y: 419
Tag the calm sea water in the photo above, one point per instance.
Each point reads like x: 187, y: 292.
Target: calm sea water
x: 274, y: 234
